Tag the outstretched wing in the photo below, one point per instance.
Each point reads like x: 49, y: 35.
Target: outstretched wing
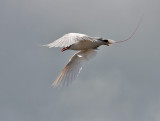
x: 73, y: 68
x: 69, y: 39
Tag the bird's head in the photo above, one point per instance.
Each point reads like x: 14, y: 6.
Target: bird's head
x: 109, y: 42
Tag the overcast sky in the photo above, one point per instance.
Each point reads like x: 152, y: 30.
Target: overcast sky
x: 121, y: 84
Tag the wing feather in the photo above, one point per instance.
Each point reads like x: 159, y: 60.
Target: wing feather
x: 69, y: 39
x: 73, y: 68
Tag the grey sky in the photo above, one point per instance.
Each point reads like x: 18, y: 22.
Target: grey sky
x: 120, y: 84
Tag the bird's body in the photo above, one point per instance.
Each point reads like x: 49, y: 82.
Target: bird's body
x: 86, y: 42
x: 86, y: 46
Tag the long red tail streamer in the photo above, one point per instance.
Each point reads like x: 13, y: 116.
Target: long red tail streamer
x: 134, y: 32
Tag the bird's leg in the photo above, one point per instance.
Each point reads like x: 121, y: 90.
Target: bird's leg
x: 65, y: 48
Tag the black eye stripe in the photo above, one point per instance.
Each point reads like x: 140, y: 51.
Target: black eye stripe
x: 105, y: 40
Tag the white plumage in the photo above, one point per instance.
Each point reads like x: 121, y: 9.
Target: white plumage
x: 86, y: 46
x: 70, y: 39
x: 73, y: 68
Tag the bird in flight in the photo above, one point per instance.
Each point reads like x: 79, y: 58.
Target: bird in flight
x: 86, y: 47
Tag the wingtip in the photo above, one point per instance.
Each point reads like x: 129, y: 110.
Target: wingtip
x: 42, y: 45
x: 54, y: 84
x: 47, y: 45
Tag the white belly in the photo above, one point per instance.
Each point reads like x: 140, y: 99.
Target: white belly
x: 84, y: 45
